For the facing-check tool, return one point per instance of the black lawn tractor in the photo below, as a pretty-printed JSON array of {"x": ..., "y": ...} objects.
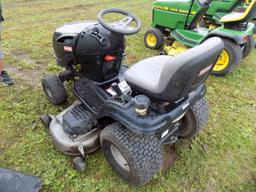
[{"x": 130, "y": 112}]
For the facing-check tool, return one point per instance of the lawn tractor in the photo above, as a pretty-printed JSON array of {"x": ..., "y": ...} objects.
[
  {"x": 130, "y": 112},
  {"x": 176, "y": 28}
]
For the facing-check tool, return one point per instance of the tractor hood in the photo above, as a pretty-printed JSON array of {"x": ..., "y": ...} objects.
[
  {"x": 173, "y": 14},
  {"x": 178, "y": 4},
  {"x": 181, "y": 6}
]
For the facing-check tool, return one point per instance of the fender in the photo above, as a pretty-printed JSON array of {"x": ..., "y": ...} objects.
[{"x": 240, "y": 37}]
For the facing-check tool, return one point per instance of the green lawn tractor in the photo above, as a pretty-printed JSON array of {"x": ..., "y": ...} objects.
[{"x": 176, "y": 28}]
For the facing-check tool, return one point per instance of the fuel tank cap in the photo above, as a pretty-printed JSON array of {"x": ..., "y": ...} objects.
[{"x": 141, "y": 104}]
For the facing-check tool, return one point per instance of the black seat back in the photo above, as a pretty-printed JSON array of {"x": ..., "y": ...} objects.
[{"x": 191, "y": 69}]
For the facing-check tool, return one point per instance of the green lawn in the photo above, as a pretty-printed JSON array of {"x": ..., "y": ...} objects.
[{"x": 221, "y": 158}]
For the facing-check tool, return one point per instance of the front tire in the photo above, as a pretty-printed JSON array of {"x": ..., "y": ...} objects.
[
  {"x": 54, "y": 89},
  {"x": 136, "y": 158},
  {"x": 194, "y": 120},
  {"x": 229, "y": 59},
  {"x": 154, "y": 38}
]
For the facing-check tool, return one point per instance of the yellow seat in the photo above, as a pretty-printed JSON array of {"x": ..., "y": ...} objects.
[{"x": 236, "y": 17}]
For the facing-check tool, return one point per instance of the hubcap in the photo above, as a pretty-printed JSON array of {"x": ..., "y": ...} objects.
[
  {"x": 222, "y": 62},
  {"x": 151, "y": 40},
  {"x": 119, "y": 158}
]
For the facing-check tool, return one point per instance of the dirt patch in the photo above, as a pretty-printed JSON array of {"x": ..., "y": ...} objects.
[
  {"x": 24, "y": 57},
  {"x": 31, "y": 76}
]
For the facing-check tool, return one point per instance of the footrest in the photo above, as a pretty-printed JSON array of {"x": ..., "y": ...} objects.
[
  {"x": 88, "y": 94},
  {"x": 188, "y": 37}
]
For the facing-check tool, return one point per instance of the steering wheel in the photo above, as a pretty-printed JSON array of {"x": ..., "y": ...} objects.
[{"x": 121, "y": 27}]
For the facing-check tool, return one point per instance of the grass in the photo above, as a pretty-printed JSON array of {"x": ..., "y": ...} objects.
[{"x": 221, "y": 158}]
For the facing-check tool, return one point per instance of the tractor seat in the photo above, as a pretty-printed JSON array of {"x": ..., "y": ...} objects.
[
  {"x": 168, "y": 79},
  {"x": 241, "y": 17}
]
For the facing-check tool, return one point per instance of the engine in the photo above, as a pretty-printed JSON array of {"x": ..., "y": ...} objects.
[{"x": 94, "y": 51}]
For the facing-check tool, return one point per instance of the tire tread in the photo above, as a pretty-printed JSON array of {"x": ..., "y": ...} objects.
[
  {"x": 56, "y": 87},
  {"x": 145, "y": 151}
]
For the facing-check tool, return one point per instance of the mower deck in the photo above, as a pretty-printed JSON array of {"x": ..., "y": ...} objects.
[{"x": 72, "y": 145}]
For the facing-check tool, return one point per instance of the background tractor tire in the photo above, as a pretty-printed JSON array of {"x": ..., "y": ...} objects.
[
  {"x": 136, "y": 158},
  {"x": 194, "y": 120},
  {"x": 229, "y": 59},
  {"x": 154, "y": 38},
  {"x": 254, "y": 31},
  {"x": 248, "y": 47},
  {"x": 54, "y": 89}
]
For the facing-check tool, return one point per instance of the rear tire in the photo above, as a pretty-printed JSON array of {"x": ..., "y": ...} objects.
[
  {"x": 54, "y": 89},
  {"x": 135, "y": 158},
  {"x": 229, "y": 59},
  {"x": 194, "y": 120},
  {"x": 154, "y": 38},
  {"x": 248, "y": 47},
  {"x": 254, "y": 31}
]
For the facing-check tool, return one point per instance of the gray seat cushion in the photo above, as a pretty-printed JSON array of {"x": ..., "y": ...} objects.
[
  {"x": 147, "y": 73},
  {"x": 154, "y": 75}
]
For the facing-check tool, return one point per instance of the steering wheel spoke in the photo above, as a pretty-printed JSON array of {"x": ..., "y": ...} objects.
[
  {"x": 128, "y": 27},
  {"x": 118, "y": 24},
  {"x": 127, "y": 20}
]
